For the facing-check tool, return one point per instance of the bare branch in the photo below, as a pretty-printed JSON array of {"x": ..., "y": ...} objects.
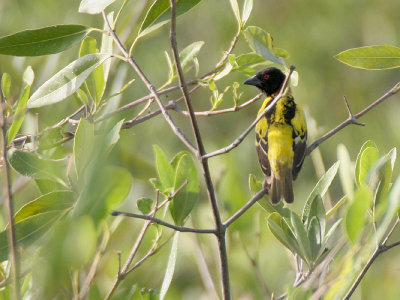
[
  {"x": 222, "y": 111},
  {"x": 352, "y": 119},
  {"x": 238, "y": 140},
  {"x": 12, "y": 242},
  {"x": 161, "y": 222},
  {"x": 382, "y": 247},
  {"x": 178, "y": 132},
  {"x": 244, "y": 208},
  {"x": 220, "y": 229}
]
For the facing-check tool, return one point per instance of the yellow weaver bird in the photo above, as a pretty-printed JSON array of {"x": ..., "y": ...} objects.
[{"x": 280, "y": 136}]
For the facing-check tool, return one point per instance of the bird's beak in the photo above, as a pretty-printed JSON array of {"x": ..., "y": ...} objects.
[{"x": 253, "y": 81}]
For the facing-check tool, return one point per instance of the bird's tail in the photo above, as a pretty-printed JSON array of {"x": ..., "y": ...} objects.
[{"x": 281, "y": 186}]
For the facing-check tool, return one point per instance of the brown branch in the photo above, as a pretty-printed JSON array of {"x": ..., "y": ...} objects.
[
  {"x": 222, "y": 111},
  {"x": 238, "y": 140},
  {"x": 12, "y": 242},
  {"x": 381, "y": 248},
  {"x": 161, "y": 222},
  {"x": 178, "y": 132},
  {"x": 352, "y": 119},
  {"x": 220, "y": 229},
  {"x": 244, "y": 208}
]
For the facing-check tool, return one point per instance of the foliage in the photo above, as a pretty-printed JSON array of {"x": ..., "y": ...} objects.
[{"x": 85, "y": 157}]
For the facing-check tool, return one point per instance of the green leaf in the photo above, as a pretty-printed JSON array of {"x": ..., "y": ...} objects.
[
  {"x": 345, "y": 170},
  {"x": 320, "y": 188},
  {"x": 104, "y": 189},
  {"x": 380, "y": 174},
  {"x": 283, "y": 233},
  {"x": 371, "y": 57},
  {"x": 367, "y": 159},
  {"x": 355, "y": 215},
  {"x": 54, "y": 201},
  {"x": 330, "y": 232},
  {"x": 189, "y": 53},
  {"x": 149, "y": 294},
  {"x": 67, "y": 81},
  {"x": 144, "y": 205},
  {"x": 315, "y": 238},
  {"x": 281, "y": 53},
  {"x": 28, "y": 75},
  {"x": 6, "y": 85},
  {"x": 317, "y": 210},
  {"x": 94, "y": 6},
  {"x": 367, "y": 144},
  {"x": 260, "y": 41},
  {"x": 183, "y": 202},
  {"x": 236, "y": 11},
  {"x": 95, "y": 81},
  {"x": 301, "y": 235},
  {"x": 159, "y": 14},
  {"x": 112, "y": 136},
  {"x": 31, "y": 165},
  {"x": 19, "y": 115},
  {"x": 84, "y": 145},
  {"x": 169, "y": 273},
  {"x": 43, "y": 41},
  {"x": 249, "y": 59},
  {"x": 28, "y": 231},
  {"x": 392, "y": 209},
  {"x": 247, "y": 8},
  {"x": 164, "y": 169}
]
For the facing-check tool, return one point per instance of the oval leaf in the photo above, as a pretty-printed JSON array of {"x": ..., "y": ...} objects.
[
  {"x": 189, "y": 53},
  {"x": 54, "y": 201},
  {"x": 95, "y": 82},
  {"x": 169, "y": 273},
  {"x": 261, "y": 42},
  {"x": 320, "y": 188},
  {"x": 94, "y": 6},
  {"x": 31, "y": 165},
  {"x": 43, "y": 41},
  {"x": 355, "y": 216},
  {"x": 160, "y": 14},
  {"x": 184, "y": 201},
  {"x": 67, "y": 81},
  {"x": 371, "y": 57},
  {"x": 27, "y": 231}
]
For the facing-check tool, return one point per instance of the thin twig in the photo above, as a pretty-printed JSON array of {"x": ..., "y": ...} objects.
[
  {"x": 222, "y": 111},
  {"x": 170, "y": 105},
  {"x": 220, "y": 229},
  {"x": 161, "y": 222},
  {"x": 352, "y": 119},
  {"x": 12, "y": 243},
  {"x": 382, "y": 247},
  {"x": 244, "y": 208},
  {"x": 95, "y": 263},
  {"x": 150, "y": 86},
  {"x": 238, "y": 140}
]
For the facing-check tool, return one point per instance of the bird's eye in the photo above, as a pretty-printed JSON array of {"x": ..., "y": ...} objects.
[{"x": 266, "y": 76}]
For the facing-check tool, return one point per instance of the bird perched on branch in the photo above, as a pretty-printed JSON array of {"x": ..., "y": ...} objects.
[{"x": 280, "y": 136}]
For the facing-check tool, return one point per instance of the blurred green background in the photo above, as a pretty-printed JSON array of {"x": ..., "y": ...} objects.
[{"x": 312, "y": 32}]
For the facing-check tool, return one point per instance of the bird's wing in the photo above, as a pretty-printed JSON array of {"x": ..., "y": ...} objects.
[{"x": 299, "y": 140}]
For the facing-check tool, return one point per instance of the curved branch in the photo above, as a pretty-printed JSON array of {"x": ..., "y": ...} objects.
[
  {"x": 352, "y": 119},
  {"x": 178, "y": 132},
  {"x": 382, "y": 247},
  {"x": 161, "y": 222}
]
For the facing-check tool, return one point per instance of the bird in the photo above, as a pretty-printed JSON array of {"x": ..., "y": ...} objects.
[{"x": 281, "y": 136}]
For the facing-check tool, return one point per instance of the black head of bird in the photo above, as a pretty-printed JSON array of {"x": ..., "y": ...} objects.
[{"x": 268, "y": 80}]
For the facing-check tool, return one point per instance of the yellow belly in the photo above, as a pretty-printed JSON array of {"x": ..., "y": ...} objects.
[{"x": 280, "y": 151}]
